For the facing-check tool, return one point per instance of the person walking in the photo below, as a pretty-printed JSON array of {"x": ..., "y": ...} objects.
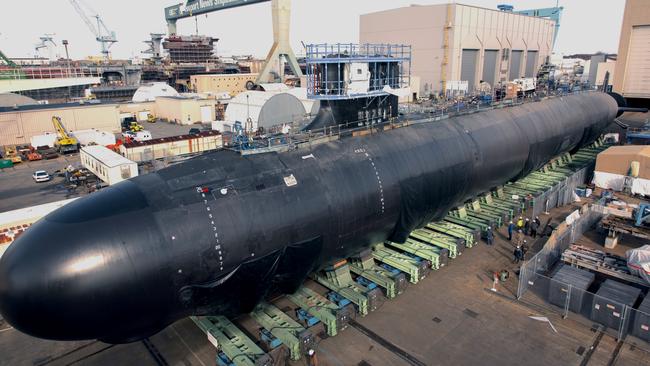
[
  {"x": 517, "y": 254},
  {"x": 534, "y": 226},
  {"x": 524, "y": 249},
  {"x": 511, "y": 228},
  {"x": 519, "y": 238},
  {"x": 489, "y": 236},
  {"x": 527, "y": 226},
  {"x": 520, "y": 223}
]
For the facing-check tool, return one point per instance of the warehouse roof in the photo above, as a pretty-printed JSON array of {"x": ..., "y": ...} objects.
[
  {"x": 11, "y": 99},
  {"x": 106, "y": 156},
  {"x": 32, "y": 107}
]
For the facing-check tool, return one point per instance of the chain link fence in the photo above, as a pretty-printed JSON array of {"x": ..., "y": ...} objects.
[{"x": 536, "y": 286}]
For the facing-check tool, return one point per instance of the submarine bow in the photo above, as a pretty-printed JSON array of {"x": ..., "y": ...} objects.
[{"x": 215, "y": 234}]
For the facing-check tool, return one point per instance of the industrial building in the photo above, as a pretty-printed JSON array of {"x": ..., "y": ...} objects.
[
  {"x": 632, "y": 76},
  {"x": 19, "y": 125},
  {"x": 179, "y": 110},
  {"x": 168, "y": 147},
  {"x": 185, "y": 111},
  {"x": 233, "y": 84},
  {"x": 455, "y": 42},
  {"x": 107, "y": 165}
]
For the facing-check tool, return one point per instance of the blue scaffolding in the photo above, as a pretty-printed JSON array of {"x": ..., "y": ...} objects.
[{"x": 327, "y": 65}]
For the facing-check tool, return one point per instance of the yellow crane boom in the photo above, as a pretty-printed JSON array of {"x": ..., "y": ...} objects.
[{"x": 64, "y": 141}]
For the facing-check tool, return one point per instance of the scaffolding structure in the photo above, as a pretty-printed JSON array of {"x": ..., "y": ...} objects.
[
  {"x": 332, "y": 69},
  {"x": 190, "y": 49}
]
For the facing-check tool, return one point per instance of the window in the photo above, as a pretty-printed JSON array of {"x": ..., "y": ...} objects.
[
  {"x": 126, "y": 171},
  {"x": 359, "y": 71}
]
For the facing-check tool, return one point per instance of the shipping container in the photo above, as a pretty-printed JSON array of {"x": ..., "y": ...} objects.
[{"x": 107, "y": 165}]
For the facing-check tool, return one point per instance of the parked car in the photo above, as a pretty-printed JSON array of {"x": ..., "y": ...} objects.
[
  {"x": 41, "y": 176},
  {"x": 194, "y": 131}
]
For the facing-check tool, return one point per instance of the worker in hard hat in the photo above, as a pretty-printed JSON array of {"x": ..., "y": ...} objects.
[{"x": 489, "y": 235}]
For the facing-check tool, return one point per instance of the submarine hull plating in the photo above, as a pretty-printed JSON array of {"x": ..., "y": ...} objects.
[{"x": 215, "y": 234}]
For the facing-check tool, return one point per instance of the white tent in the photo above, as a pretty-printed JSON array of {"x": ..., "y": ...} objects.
[
  {"x": 149, "y": 92},
  {"x": 265, "y": 109}
]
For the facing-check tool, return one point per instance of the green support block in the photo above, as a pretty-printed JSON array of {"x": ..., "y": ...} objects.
[
  {"x": 230, "y": 340},
  {"x": 416, "y": 270},
  {"x": 339, "y": 280},
  {"x": 471, "y": 236},
  {"x": 327, "y": 312},
  {"x": 437, "y": 256},
  {"x": 293, "y": 335},
  {"x": 364, "y": 265},
  {"x": 475, "y": 208},
  {"x": 453, "y": 245}
]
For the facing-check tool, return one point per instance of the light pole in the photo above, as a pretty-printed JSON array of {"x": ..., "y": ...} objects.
[{"x": 67, "y": 56}]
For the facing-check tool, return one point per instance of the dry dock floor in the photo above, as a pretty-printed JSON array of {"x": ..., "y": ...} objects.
[{"x": 449, "y": 318}]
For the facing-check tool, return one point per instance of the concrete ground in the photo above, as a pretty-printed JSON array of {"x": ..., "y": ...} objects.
[
  {"x": 18, "y": 189},
  {"x": 449, "y": 318}
]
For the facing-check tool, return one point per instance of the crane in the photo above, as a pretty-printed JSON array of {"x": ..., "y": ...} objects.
[
  {"x": 64, "y": 141},
  {"x": 47, "y": 41},
  {"x": 105, "y": 37}
]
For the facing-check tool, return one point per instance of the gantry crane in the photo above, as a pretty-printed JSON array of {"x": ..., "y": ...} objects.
[{"x": 105, "y": 37}]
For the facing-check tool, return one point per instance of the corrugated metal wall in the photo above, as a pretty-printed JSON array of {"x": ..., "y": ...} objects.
[
  {"x": 515, "y": 64},
  {"x": 531, "y": 62},
  {"x": 468, "y": 68},
  {"x": 490, "y": 66},
  {"x": 19, "y": 127}
]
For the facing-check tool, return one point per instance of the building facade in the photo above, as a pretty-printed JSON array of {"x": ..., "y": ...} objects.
[
  {"x": 455, "y": 42},
  {"x": 232, "y": 84},
  {"x": 19, "y": 125},
  {"x": 632, "y": 76}
]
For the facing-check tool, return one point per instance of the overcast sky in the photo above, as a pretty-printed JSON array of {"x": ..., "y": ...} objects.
[{"x": 587, "y": 26}]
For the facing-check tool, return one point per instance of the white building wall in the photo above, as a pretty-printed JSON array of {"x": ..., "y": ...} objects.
[{"x": 471, "y": 28}]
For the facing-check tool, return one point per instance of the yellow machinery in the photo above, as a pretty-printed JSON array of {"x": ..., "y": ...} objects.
[
  {"x": 151, "y": 118},
  {"x": 11, "y": 154},
  {"x": 64, "y": 142}
]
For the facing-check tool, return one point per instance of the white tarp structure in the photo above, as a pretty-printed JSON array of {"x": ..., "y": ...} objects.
[
  {"x": 94, "y": 137},
  {"x": 400, "y": 92},
  {"x": 638, "y": 262},
  {"x": 620, "y": 164},
  {"x": 265, "y": 109},
  {"x": 149, "y": 92},
  {"x": 46, "y": 139}
]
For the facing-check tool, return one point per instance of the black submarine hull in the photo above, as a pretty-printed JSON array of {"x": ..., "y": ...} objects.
[{"x": 217, "y": 233}]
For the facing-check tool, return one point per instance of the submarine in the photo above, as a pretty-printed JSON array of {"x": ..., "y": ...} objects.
[{"x": 219, "y": 232}]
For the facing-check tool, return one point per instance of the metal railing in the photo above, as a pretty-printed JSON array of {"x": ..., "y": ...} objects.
[
  {"x": 45, "y": 73},
  {"x": 344, "y": 52},
  {"x": 378, "y": 124}
]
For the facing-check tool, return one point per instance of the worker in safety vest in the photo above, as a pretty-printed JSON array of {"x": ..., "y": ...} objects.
[{"x": 520, "y": 223}]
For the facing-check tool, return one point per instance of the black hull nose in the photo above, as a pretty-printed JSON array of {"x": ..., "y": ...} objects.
[{"x": 76, "y": 273}]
